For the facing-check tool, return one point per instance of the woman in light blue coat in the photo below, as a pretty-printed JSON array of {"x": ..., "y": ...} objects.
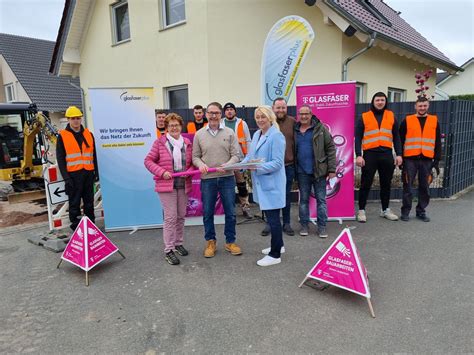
[{"x": 269, "y": 179}]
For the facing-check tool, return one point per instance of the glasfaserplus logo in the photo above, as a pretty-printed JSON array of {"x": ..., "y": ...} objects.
[
  {"x": 282, "y": 75},
  {"x": 132, "y": 97}
]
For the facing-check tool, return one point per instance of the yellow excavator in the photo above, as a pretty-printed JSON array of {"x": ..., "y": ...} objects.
[{"x": 25, "y": 137}]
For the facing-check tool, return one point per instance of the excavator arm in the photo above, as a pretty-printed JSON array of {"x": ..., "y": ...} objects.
[{"x": 37, "y": 123}]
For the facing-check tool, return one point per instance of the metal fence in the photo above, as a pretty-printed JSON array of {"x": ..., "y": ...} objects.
[
  {"x": 456, "y": 122},
  {"x": 460, "y": 147}
]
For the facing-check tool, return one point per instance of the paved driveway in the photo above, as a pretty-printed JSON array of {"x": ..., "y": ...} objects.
[{"x": 421, "y": 278}]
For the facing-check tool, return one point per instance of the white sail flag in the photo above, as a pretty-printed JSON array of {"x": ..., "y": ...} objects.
[{"x": 283, "y": 55}]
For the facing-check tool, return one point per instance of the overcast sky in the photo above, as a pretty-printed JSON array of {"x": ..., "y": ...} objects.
[{"x": 448, "y": 24}]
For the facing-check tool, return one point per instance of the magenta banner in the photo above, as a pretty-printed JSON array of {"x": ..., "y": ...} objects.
[
  {"x": 194, "y": 207},
  {"x": 334, "y": 105}
]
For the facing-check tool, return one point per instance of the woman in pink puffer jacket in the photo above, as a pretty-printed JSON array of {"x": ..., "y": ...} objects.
[{"x": 172, "y": 153}]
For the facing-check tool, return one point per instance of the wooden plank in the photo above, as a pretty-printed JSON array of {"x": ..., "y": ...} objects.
[{"x": 18, "y": 197}]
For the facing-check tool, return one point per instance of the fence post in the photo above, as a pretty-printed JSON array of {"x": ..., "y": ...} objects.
[{"x": 448, "y": 151}]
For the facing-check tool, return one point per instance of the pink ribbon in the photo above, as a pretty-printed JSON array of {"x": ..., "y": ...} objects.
[{"x": 192, "y": 172}]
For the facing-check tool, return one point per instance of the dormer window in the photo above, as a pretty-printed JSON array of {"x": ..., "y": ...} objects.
[{"x": 367, "y": 4}]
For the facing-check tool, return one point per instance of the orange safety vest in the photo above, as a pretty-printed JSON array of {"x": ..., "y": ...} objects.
[
  {"x": 417, "y": 142},
  {"x": 191, "y": 127},
  {"x": 241, "y": 137},
  {"x": 78, "y": 158},
  {"x": 159, "y": 134},
  {"x": 374, "y": 136}
]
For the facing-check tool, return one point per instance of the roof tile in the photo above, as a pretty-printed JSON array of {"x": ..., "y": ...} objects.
[{"x": 400, "y": 30}]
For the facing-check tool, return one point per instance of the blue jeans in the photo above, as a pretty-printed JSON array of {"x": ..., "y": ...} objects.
[
  {"x": 225, "y": 186},
  {"x": 273, "y": 220},
  {"x": 305, "y": 183}
]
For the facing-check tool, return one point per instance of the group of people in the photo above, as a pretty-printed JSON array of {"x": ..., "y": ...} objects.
[
  {"x": 288, "y": 149},
  {"x": 301, "y": 150},
  {"x": 417, "y": 145}
]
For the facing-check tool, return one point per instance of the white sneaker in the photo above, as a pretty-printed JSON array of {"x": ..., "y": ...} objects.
[
  {"x": 389, "y": 215},
  {"x": 266, "y": 251},
  {"x": 361, "y": 216},
  {"x": 268, "y": 260}
]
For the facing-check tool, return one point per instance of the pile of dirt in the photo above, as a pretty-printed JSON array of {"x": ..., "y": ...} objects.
[{"x": 22, "y": 213}]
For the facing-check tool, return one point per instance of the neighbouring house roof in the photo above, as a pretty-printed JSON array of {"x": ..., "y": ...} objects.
[
  {"x": 441, "y": 76},
  {"x": 29, "y": 59},
  {"x": 376, "y": 16},
  {"x": 441, "y": 79}
]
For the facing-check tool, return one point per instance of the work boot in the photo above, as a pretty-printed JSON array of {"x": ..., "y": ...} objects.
[
  {"x": 423, "y": 217},
  {"x": 210, "y": 250},
  {"x": 266, "y": 231},
  {"x": 171, "y": 258},
  {"x": 233, "y": 248},
  {"x": 404, "y": 218},
  {"x": 288, "y": 230},
  {"x": 388, "y": 215},
  {"x": 361, "y": 216}
]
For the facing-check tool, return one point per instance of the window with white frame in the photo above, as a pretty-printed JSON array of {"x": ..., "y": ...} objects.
[
  {"x": 177, "y": 97},
  {"x": 10, "y": 92},
  {"x": 172, "y": 12},
  {"x": 360, "y": 93},
  {"x": 396, "y": 95},
  {"x": 120, "y": 22}
]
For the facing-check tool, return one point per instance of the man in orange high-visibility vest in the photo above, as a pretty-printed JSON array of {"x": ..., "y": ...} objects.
[
  {"x": 376, "y": 137},
  {"x": 160, "y": 122},
  {"x": 421, "y": 141},
  {"x": 239, "y": 126},
  {"x": 77, "y": 161},
  {"x": 199, "y": 120}
]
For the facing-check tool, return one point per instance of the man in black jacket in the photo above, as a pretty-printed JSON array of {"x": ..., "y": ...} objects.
[
  {"x": 421, "y": 140},
  {"x": 77, "y": 162},
  {"x": 377, "y": 135}
]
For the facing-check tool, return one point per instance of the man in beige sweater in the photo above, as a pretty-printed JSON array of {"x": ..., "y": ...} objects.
[{"x": 214, "y": 147}]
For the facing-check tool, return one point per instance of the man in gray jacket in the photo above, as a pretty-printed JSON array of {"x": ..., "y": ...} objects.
[
  {"x": 215, "y": 146},
  {"x": 315, "y": 163}
]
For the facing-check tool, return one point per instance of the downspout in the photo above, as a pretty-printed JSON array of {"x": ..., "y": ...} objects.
[
  {"x": 370, "y": 44},
  {"x": 84, "y": 111}
]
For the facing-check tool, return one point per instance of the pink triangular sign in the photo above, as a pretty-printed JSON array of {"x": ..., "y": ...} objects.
[
  {"x": 341, "y": 266},
  {"x": 99, "y": 247},
  {"x": 75, "y": 251}
]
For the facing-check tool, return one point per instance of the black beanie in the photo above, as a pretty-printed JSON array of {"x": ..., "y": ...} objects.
[{"x": 229, "y": 105}]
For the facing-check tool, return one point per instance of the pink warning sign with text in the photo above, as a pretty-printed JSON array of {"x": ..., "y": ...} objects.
[
  {"x": 88, "y": 246},
  {"x": 341, "y": 266},
  {"x": 99, "y": 246},
  {"x": 74, "y": 252}
]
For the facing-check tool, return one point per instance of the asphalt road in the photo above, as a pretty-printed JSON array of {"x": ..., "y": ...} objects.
[{"x": 421, "y": 280}]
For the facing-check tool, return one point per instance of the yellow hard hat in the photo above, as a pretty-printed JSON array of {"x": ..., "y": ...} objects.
[{"x": 73, "y": 111}]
